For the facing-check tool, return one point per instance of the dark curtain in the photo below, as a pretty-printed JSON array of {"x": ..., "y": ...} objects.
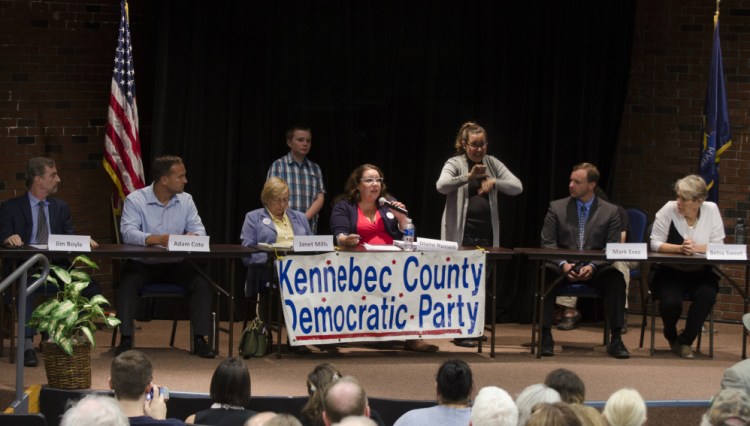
[{"x": 389, "y": 83}]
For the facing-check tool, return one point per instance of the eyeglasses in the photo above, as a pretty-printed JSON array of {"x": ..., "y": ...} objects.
[
  {"x": 477, "y": 145},
  {"x": 370, "y": 181}
]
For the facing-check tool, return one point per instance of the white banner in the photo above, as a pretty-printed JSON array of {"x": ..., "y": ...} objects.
[{"x": 352, "y": 297}]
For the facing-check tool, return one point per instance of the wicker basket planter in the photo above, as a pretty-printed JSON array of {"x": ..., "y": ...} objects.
[{"x": 65, "y": 371}]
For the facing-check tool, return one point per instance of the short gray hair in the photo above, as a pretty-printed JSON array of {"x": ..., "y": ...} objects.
[
  {"x": 37, "y": 166},
  {"x": 95, "y": 410},
  {"x": 691, "y": 187},
  {"x": 625, "y": 407},
  {"x": 493, "y": 406}
]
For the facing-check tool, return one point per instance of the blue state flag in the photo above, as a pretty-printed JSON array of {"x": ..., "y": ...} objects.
[{"x": 717, "y": 135}]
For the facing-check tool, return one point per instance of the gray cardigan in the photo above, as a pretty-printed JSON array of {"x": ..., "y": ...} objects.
[{"x": 453, "y": 183}]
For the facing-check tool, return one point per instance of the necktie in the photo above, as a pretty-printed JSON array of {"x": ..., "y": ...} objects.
[
  {"x": 42, "y": 233},
  {"x": 582, "y": 216}
]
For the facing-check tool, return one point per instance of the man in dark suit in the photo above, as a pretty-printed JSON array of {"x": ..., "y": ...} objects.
[
  {"x": 585, "y": 222},
  {"x": 30, "y": 218}
]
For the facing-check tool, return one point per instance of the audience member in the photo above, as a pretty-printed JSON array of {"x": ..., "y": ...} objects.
[
  {"x": 625, "y": 408},
  {"x": 260, "y": 419},
  {"x": 317, "y": 382},
  {"x": 530, "y": 397},
  {"x": 493, "y": 407},
  {"x": 30, "y": 218},
  {"x": 729, "y": 407},
  {"x": 583, "y": 221},
  {"x": 567, "y": 384},
  {"x": 557, "y": 414},
  {"x": 344, "y": 398},
  {"x": 230, "y": 392},
  {"x": 589, "y": 416},
  {"x": 150, "y": 215},
  {"x": 304, "y": 177},
  {"x": 738, "y": 375},
  {"x": 357, "y": 421},
  {"x": 131, "y": 376},
  {"x": 282, "y": 419},
  {"x": 95, "y": 410},
  {"x": 454, "y": 387}
]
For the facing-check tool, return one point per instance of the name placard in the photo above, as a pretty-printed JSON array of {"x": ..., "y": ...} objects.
[
  {"x": 726, "y": 252},
  {"x": 313, "y": 243},
  {"x": 428, "y": 244},
  {"x": 188, "y": 243},
  {"x": 629, "y": 251},
  {"x": 57, "y": 242}
]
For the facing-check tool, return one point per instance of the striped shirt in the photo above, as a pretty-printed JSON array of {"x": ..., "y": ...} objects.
[{"x": 305, "y": 181}]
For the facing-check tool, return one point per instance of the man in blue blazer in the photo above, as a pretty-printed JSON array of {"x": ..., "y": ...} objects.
[
  {"x": 30, "y": 218},
  {"x": 585, "y": 222}
]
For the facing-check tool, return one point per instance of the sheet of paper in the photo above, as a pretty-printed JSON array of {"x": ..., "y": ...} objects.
[{"x": 377, "y": 247}]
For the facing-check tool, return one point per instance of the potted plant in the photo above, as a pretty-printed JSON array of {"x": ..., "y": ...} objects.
[{"x": 69, "y": 319}]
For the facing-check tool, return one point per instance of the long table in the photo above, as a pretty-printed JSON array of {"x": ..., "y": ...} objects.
[
  {"x": 229, "y": 252},
  {"x": 542, "y": 255}
]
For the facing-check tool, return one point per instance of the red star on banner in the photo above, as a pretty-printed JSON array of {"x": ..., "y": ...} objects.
[
  {"x": 401, "y": 295},
  {"x": 364, "y": 297},
  {"x": 411, "y": 316},
  {"x": 328, "y": 262},
  {"x": 450, "y": 296},
  {"x": 324, "y": 300},
  {"x": 447, "y": 259},
  {"x": 393, "y": 261}
]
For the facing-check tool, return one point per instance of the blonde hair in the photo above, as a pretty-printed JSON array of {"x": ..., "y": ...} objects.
[
  {"x": 273, "y": 188},
  {"x": 625, "y": 408},
  {"x": 468, "y": 128},
  {"x": 691, "y": 187}
]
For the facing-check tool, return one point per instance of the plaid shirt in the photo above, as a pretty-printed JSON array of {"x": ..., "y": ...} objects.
[{"x": 305, "y": 182}]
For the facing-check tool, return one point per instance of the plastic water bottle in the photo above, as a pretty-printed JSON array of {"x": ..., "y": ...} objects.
[
  {"x": 740, "y": 236},
  {"x": 409, "y": 236}
]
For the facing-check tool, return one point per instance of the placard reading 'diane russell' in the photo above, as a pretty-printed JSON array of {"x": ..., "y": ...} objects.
[
  {"x": 57, "y": 242},
  {"x": 317, "y": 243},
  {"x": 629, "y": 251},
  {"x": 188, "y": 243},
  {"x": 726, "y": 252}
]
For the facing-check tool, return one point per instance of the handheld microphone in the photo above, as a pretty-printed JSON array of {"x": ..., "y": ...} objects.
[{"x": 390, "y": 205}]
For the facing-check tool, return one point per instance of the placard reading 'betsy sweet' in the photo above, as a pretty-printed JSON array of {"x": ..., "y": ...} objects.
[{"x": 350, "y": 297}]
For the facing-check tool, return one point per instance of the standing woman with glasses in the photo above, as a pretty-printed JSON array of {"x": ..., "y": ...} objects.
[
  {"x": 471, "y": 180},
  {"x": 357, "y": 218}
]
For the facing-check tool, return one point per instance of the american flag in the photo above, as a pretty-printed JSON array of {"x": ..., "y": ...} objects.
[{"x": 122, "y": 146}]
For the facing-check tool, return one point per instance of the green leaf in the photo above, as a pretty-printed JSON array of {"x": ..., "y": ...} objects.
[
  {"x": 89, "y": 335},
  {"x": 98, "y": 300},
  {"x": 78, "y": 275},
  {"x": 65, "y": 344},
  {"x": 85, "y": 260},
  {"x": 112, "y": 322},
  {"x": 61, "y": 273},
  {"x": 78, "y": 286},
  {"x": 63, "y": 310}
]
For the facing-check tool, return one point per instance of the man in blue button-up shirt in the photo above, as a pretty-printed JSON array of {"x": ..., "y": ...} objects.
[{"x": 150, "y": 215}]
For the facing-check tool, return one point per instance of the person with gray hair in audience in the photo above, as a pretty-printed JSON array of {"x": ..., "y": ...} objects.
[
  {"x": 95, "y": 410},
  {"x": 454, "y": 387},
  {"x": 729, "y": 407},
  {"x": 625, "y": 408},
  {"x": 493, "y": 407},
  {"x": 531, "y": 396},
  {"x": 344, "y": 398}
]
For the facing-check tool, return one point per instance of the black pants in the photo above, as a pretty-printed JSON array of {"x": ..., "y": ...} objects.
[
  {"x": 607, "y": 279},
  {"x": 671, "y": 286},
  {"x": 135, "y": 274}
]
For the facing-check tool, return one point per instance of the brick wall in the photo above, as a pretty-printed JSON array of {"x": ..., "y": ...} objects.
[
  {"x": 661, "y": 132},
  {"x": 56, "y": 60}
]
